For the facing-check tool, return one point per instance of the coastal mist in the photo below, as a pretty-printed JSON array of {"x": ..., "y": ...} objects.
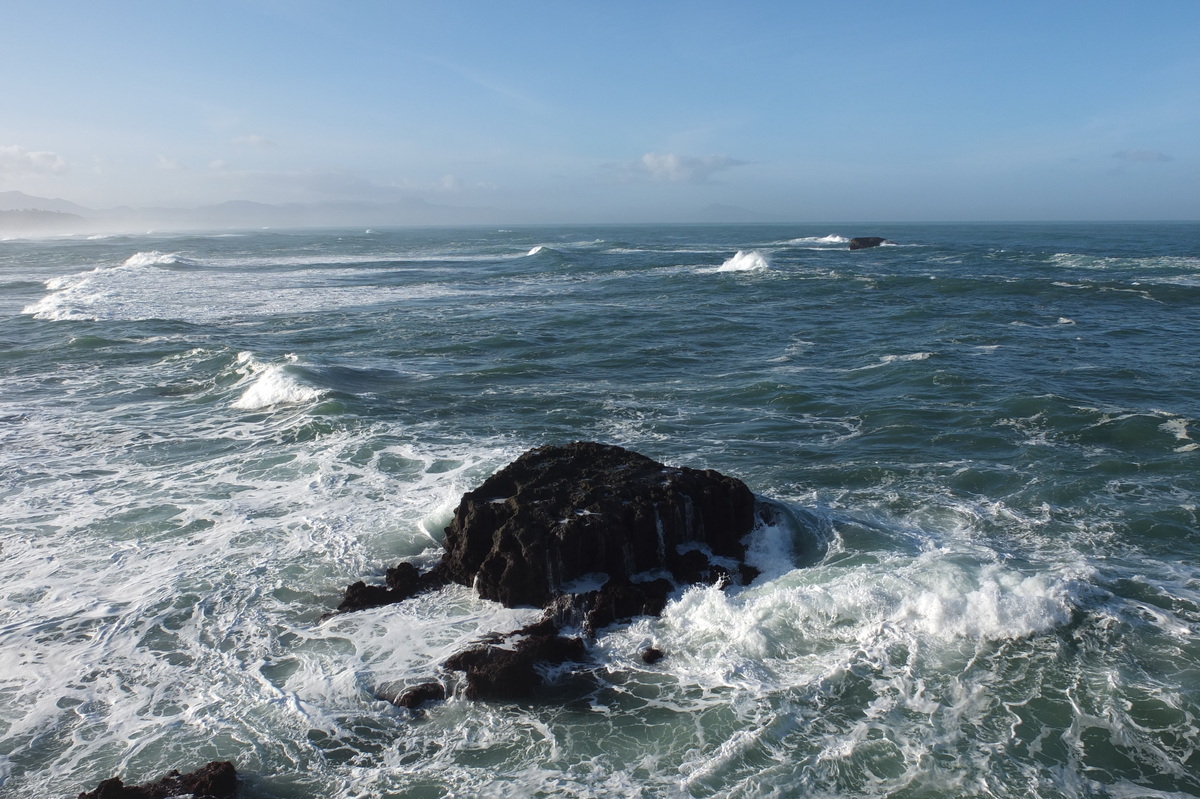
[{"x": 981, "y": 444}]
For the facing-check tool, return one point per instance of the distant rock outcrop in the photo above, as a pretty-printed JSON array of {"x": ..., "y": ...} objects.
[
  {"x": 216, "y": 780},
  {"x": 560, "y": 517},
  {"x": 865, "y": 242}
]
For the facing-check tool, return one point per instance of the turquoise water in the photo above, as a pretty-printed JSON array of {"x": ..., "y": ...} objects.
[{"x": 987, "y": 438}]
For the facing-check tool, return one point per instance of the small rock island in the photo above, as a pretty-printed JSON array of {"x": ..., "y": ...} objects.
[
  {"x": 866, "y": 242},
  {"x": 593, "y": 534}
]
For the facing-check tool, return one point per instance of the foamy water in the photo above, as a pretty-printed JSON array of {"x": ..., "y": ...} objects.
[{"x": 978, "y": 580}]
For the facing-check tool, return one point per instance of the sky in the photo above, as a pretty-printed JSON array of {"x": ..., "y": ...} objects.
[{"x": 612, "y": 112}]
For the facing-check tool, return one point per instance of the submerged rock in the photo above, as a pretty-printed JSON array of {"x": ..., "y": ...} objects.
[
  {"x": 865, "y": 242},
  {"x": 216, "y": 780},
  {"x": 418, "y": 695},
  {"x": 651, "y": 655},
  {"x": 559, "y": 517}
]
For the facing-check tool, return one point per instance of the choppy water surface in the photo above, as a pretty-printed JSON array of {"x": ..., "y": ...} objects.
[{"x": 986, "y": 437}]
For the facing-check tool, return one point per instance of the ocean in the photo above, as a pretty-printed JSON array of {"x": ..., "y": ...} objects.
[{"x": 986, "y": 438}]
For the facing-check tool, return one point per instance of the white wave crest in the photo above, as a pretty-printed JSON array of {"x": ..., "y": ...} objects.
[
  {"x": 746, "y": 261},
  {"x": 156, "y": 258},
  {"x": 271, "y": 385},
  {"x": 537, "y": 249},
  {"x": 915, "y": 356},
  {"x": 107, "y": 291},
  {"x": 887, "y": 360},
  {"x": 1178, "y": 427},
  {"x": 832, "y": 238},
  {"x": 71, "y": 297}
]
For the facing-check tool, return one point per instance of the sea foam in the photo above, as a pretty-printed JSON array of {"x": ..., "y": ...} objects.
[
  {"x": 106, "y": 291},
  {"x": 818, "y": 620}
]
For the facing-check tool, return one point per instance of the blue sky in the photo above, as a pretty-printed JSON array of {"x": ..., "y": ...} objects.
[{"x": 570, "y": 111}]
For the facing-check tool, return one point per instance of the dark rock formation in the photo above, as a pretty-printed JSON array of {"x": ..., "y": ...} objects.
[
  {"x": 495, "y": 672},
  {"x": 216, "y": 780},
  {"x": 621, "y": 601},
  {"x": 570, "y": 513},
  {"x": 864, "y": 242},
  {"x": 557, "y": 514},
  {"x": 403, "y": 580}
]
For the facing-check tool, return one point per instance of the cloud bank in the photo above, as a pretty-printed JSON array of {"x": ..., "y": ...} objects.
[
  {"x": 16, "y": 160},
  {"x": 673, "y": 168}
]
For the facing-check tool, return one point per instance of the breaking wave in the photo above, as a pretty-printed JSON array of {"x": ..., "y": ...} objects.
[
  {"x": 269, "y": 385},
  {"x": 746, "y": 261},
  {"x": 156, "y": 258},
  {"x": 830, "y": 239}
]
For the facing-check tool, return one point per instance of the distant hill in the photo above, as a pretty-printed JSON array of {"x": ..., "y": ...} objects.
[
  {"x": 33, "y": 221},
  {"x": 20, "y": 201}
]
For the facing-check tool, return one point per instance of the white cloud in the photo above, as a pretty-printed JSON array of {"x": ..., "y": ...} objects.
[
  {"x": 1141, "y": 155},
  {"x": 674, "y": 168},
  {"x": 16, "y": 160},
  {"x": 170, "y": 164}
]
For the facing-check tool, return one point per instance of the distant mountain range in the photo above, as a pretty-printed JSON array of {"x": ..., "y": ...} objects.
[{"x": 21, "y": 213}]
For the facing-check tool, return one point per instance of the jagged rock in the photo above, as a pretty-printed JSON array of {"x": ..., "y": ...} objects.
[
  {"x": 621, "y": 601},
  {"x": 865, "y": 242},
  {"x": 557, "y": 514},
  {"x": 403, "y": 581},
  {"x": 495, "y": 672},
  {"x": 216, "y": 780}
]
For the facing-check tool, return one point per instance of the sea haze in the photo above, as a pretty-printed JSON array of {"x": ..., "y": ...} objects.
[{"x": 985, "y": 438}]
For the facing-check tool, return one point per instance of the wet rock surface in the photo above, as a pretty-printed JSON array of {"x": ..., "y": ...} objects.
[
  {"x": 866, "y": 242},
  {"x": 216, "y": 780},
  {"x": 557, "y": 514},
  {"x": 499, "y": 672},
  {"x": 402, "y": 581},
  {"x": 561, "y": 516}
]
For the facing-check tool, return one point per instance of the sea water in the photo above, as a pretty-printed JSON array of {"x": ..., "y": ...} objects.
[{"x": 981, "y": 447}]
